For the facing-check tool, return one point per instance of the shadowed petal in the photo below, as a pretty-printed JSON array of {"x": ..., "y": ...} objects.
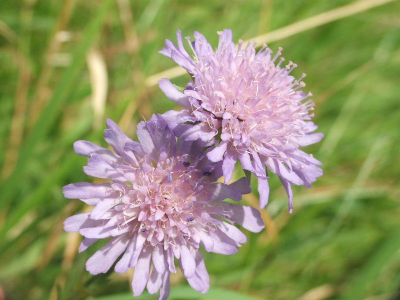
[
  {"x": 173, "y": 94},
  {"x": 188, "y": 263},
  {"x": 103, "y": 259},
  {"x": 142, "y": 271},
  {"x": 246, "y": 216}
]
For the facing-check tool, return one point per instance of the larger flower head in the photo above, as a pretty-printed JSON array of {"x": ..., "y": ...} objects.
[
  {"x": 161, "y": 203},
  {"x": 251, "y": 104}
]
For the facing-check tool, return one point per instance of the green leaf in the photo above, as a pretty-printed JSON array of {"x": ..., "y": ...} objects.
[
  {"x": 38, "y": 196},
  {"x": 373, "y": 267},
  {"x": 187, "y": 293},
  {"x": 248, "y": 175},
  {"x": 179, "y": 88},
  {"x": 49, "y": 115}
]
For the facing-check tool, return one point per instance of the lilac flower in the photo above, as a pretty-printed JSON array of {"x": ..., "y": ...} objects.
[
  {"x": 161, "y": 203},
  {"x": 251, "y": 104}
]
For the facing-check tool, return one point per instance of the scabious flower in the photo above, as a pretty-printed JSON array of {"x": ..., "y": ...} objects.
[
  {"x": 161, "y": 203},
  {"x": 251, "y": 104}
]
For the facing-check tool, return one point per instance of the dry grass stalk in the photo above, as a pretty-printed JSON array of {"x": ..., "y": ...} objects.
[
  {"x": 99, "y": 82},
  {"x": 43, "y": 92}
]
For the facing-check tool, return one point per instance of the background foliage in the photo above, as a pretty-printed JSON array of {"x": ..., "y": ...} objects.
[{"x": 67, "y": 65}]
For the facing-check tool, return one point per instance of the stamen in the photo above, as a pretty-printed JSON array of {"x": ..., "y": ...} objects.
[{"x": 195, "y": 186}]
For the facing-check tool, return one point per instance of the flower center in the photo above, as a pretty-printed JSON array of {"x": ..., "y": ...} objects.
[{"x": 165, "y": 202}]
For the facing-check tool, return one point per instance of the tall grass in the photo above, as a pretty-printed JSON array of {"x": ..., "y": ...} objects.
[{"x": 343, "y": 239}]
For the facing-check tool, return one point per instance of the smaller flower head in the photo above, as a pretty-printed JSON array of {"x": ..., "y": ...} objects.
[
  {"x": 251, "y": 104},
  {"x": 161, "y": 203}
]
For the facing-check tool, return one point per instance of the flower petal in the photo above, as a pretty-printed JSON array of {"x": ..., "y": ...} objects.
[
  {"x": 88, "y": 149},
  {"x": 158, "y": 259},
  {"x": 228, "y": 166},
  {"x": 97, "y": 167},
  {"x": 103, "y": 259},
  {"x": 188, "y": 263},
  {"x": 165, "y": 287},
  {"x": 76, "y": 222},
  {"x": 224, "y": 191},
  {"x": 86, "y": 243},
  {"x": 141, "y": 275},
  {"x": 233, "y": 232},
  {"x": 201, "y": 280},
  {"x": 289, "y": 192},
  {"x": 263, "y": 190},
  {"x": 117, "y": 139},
  {"x": 123, "y": 264},
  {"x": 246, "y": 216},
  {"x": 218, "y": 152},
  {"x": 154, "y": 282},
  {"x": 242, "y": 185},
  {"x": 86, "y": 190},
  {"x": 173, "y": 94}
]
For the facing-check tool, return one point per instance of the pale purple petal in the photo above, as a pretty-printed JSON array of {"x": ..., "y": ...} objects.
[
  {"x": 103, "y": 259},
  {"x": 201, "y": 280},
  {"x": 228, "y": 166},
  {"x": 289, "y": 175},
  {"x": 246, "y": 216},
  {"x": 99, "y": 168},
  {"x": 233, "y": 232},
  {"x": 74, "y": 223},
  {"x": 218, "y": 152},
  {"x": 246, "y": 162},
  {"x": 263, "y": 190},
  {"x": 225, "y": 40},
  {"x": 173, "y": 94},
  {"x": 188, "y": 263},
  {"x": 159, "y": 259},
  {"x": 242, "y": 185},
  {"x": 88, "y": 149},
  {"x": 141, "y": 275},
  {"x": 194, "y": 132},
  {"x": 289, "y": 192},
  {"x": 102, "y": 207},
  {"x": 123, "y": 264},
  {"x": 183, "y": 61},
  {"x": 141, "y": 239},
  {"x": 224, "y": 191},
  {"x": 86, "y": 243},
  {"x": 97, "y": 232},
  {"x": 174, "y": 118},
  {"x": 165, "y": 287},
  {"x": 224, "y": 244},
  {"x": 86, "y": 190},
  {"x": 308, "y": 139},
  {"x": 207, "y": 241},
  {"x": 117, "y": 139},
  {"x": 154, "y": 282}
]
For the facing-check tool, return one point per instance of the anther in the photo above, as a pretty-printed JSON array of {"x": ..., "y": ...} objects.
[
  {"x": 208, "y": 173},
  {"x": 190, "y": 219},
  {"x": 144, "y": 230},
  {"x": 186, "y": 164}
]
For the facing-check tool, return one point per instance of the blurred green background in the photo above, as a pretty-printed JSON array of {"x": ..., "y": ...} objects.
[{"x": 67, "y": 65}]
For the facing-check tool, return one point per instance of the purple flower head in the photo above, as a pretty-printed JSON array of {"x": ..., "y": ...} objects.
[
  {"x": 161, "y": 203},
  {"x": 251, "y": 105}
]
